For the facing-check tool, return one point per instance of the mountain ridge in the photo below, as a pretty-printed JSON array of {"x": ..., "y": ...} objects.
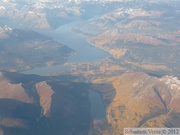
[
  {"x": 142, "y": 101},
  {"x": 23, "y": 49},
  {"x": 44, "y": 107}
]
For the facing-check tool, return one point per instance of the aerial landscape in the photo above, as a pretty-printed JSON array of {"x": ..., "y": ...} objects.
[{"x": 88, "y": 67}]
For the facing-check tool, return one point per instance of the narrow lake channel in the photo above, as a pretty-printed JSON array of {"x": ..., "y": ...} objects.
[{"x": 98, "y": 109}]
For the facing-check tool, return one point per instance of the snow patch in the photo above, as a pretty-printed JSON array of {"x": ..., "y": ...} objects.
[
  {"x": 171, "y": 81},
  {"x": 3, "y": 8}
]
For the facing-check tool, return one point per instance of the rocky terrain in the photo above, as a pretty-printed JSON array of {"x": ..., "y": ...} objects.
[
  {"x": 53, "y": 13},
  {"x": 23, "y": 49},
  {"x": 49, "y": 13},
  {"x": 142, "y": 101}
]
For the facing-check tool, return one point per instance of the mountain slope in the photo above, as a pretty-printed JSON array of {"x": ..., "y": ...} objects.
[
  {"x": 141, "y": 36},
  {"x": 23, "y": 49},
  {"x": 143, "y": 101},
  {"x": 37, "y": 105}
]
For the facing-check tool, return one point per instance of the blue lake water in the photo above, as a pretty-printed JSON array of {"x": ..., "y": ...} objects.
[
  {"x": 98, "y": 109},
  {"x": 85, "y": 52}
]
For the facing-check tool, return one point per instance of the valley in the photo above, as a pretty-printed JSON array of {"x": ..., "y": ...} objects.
[{"x": 88, "y": 67}]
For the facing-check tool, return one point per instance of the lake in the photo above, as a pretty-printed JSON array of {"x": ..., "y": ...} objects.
[
  {"x": 85, "y": 52},
  {"x": 98, "y": 109}
]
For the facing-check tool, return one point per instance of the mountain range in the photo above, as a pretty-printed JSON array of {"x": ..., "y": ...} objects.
[
  {"x": 23, "y": 49},
  {"x": 35, "y": 105},
  {"x": 138, "y": 85},
  {"x": 53, "y": 13},
  {"x": 142, "y": 101}
]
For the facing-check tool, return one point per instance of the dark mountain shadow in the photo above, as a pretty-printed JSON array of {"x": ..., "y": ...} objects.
[{"x": 70, "y": 107}]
